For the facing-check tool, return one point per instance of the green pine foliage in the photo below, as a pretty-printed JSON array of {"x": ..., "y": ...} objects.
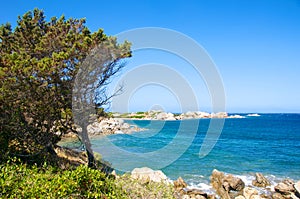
[{"x": 39, "y": 61}]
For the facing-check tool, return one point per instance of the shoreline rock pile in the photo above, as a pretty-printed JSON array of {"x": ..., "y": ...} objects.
[
  {"x": 226, "y": 186},
  {"x": 107, "y": 126}
]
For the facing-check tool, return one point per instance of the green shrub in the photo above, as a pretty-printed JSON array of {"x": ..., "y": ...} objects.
[
  {"x": 22, "y": 181},
  {"x": 137, "y": 189},
  {"x": 138, "y": 116}
]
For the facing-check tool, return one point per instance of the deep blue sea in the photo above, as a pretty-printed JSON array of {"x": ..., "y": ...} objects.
[{"x": 269, "y": 143}]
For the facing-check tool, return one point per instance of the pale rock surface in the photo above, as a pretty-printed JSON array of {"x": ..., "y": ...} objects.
[
  {"x": 240, "y": 197},
  {"x": 260, "y": 180},
  {"x": 277, "y": 196},
  {"x": 297, "y": 188},
  {"x": 284, "y": 188},
  {"x": 223, "y": 184},
  {"x": 147, "y": 173},
  {"x": 249, "y": 192}
]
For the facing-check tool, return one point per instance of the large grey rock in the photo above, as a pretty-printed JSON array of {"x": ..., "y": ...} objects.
[
  {"x": 146, "y": 173},
  {"x": 260, "y": 180}
]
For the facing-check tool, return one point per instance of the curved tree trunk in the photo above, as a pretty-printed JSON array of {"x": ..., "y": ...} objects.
[{"x": 88, "y": 147}]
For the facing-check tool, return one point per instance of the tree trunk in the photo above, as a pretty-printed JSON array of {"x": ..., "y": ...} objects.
[
  {"x": 50, "y": 149},
  {"x": 91, "y": 160},
  {"x": 88, "y": 147}
]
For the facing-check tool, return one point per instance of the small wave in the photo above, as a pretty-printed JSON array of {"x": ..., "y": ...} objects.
[
  {"x": 205, "y": 187},
  {"x": 253, "y": 115}
]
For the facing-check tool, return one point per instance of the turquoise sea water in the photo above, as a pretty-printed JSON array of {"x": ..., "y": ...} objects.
[{"x": 269, "y": 144}]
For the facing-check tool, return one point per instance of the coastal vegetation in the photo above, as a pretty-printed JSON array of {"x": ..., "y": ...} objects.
[
  {"x": 19, "y": 180},
  {"x": 39, "y": 62}
]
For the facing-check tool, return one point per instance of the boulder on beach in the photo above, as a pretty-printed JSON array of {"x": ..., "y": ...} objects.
[
  {"x": 260, "y": 180},
  {"x": 223, "y": 184},
  {"x": 285, "y": 187},
  {"x": 147, "y": 174}
]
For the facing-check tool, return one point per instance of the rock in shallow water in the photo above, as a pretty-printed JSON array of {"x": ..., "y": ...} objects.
[
  {"x": 260, "y": 181},
  {"x": 223, "y": 184},
  {"x": 233, "y": 183}
]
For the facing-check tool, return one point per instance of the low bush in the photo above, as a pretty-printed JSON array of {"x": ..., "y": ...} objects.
[
  {"x": 137, "y": 189},
  {"x": 19, "y": 180},
  {"x": 138, "y": 116}
]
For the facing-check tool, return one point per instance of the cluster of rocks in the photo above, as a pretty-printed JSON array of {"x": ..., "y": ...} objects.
[
  {"x": 226, "y": 186},
  {"x": 182, "y": 191},
  {"x": 107, "y": 126}
]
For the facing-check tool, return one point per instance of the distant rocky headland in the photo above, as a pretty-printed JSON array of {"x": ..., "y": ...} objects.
[
  {"x": 161, "y": 115},
  {"x": 115, "y": 123}
]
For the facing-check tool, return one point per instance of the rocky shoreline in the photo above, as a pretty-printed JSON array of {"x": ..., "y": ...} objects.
[
  {"x": 147, "y": 183},
  {"x": 226, "y": 186},
  {"x": 107, "y": 126}
]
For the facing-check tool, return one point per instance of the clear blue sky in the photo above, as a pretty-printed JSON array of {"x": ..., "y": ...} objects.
[{"x": 255, "y": 44}]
